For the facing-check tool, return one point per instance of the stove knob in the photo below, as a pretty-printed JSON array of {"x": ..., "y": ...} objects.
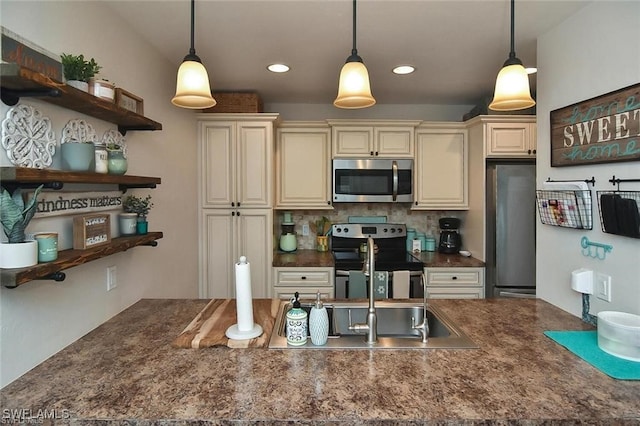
[
  {"x": 346, "y": 229},
  {"x": 385, "y": 230},
  {"x": 393, "y": 230},
  {"x": 338, "y": 230}
]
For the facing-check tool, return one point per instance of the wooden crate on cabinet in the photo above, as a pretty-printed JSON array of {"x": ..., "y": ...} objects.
[
  {"x": 455, "y": 283},
  {"x": 303, "y": 166},
  {"x": 305, "y": 280},
  {"x": 441, "y": 167},
  {"x": 373, "y": 138}
]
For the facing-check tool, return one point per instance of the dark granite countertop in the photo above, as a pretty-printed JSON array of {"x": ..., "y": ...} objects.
[
  {"x": 127, "y": 371},
  {"x": 311, "y": 258}
]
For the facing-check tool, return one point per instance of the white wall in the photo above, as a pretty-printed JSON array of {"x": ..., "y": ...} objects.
[
  {"x": 39, "y": 318},
  {"x": 592, "y": 53}
]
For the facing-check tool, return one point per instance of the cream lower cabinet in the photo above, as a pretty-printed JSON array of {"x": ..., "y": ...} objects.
[
  {"x": 455, "y": 283},
  {"x": 303, "y": 166},
  {"x": 441, "y": 168},
  {"x": 227, "y": 234},
  {"x": 305, "y": 280}
]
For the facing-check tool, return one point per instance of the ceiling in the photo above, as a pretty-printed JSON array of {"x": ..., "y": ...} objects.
[{"x": 457, "y": 46}]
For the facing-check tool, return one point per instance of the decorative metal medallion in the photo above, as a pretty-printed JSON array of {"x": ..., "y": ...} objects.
[
  {"x": 78, "y": 131},
  {"x": 28, "y": 138},
  {"x": 113, "y": 137}
]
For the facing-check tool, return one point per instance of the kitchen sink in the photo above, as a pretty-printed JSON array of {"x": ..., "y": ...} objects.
[{"x": 394, "y": 327}]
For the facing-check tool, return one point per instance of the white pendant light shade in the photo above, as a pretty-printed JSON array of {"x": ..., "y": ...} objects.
[
  {"x": 512, "y": 90},
  {"x": 192, "y": 87},
  {"x": 354, "y": 90}
]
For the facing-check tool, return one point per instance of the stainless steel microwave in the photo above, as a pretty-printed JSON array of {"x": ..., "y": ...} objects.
[{"x": 372, "y": 180}]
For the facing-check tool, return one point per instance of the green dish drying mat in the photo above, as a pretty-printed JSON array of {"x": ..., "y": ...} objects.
[{"x": 585, "y": 345}]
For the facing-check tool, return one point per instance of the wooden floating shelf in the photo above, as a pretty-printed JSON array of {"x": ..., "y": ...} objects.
[
  {"x": 12, "y": 278},
  {"x": 17, "y": 81},
  {"x": 18, "y": 176}
]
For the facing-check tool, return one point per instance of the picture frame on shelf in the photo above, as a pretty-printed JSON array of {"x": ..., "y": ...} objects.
[
  {"x": 91, "y": 231},
  {"x": 129, "y": 101}
]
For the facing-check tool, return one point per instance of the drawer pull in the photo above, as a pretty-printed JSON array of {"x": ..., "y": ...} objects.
[
  {"x": 303, "y": 277},
  {"x": 454, "y": 278}
]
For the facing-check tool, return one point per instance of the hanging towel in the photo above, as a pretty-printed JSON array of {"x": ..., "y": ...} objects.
[
  {"x": 381, "y": 284},
  {"x": 357, "y": 287},
  {"x": 401, "y": 281}
]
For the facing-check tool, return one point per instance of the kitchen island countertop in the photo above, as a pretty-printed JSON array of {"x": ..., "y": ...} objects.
[{"x": 127, "y": 371}]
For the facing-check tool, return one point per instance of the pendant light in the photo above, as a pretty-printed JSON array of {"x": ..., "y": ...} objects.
[
  {"x": 512, "y": 84},
  {"x": 354, "y": 90},
  {"x": 192, "y": 87}
]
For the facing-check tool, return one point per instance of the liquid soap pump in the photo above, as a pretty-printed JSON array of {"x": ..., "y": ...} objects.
[
  {"x": 296, "y": 323},
  {"x": 319, "y": 323}
]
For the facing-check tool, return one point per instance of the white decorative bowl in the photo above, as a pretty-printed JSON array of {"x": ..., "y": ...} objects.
[{"x": 619, "y": 334}]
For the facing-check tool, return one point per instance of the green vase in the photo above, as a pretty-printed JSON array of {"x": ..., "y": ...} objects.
[{"x": 116, "y": 163}]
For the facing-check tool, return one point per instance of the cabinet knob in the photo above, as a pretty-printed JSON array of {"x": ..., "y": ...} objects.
[
  {"x": 329, "y": 202},
  {"x": 371, "y": 153},
  {"x": 233, "y": 204},
  {"x": 528, "y": 151},
  {"x": 238, "y": 203},
  {"x": 376, "y": 153},
  {"x": 454, "y": 278},
  {"x": 233, "y": 213},
  {"x": 237, "y": 213},
  {"x": 534, "y": 151},
  {"x": 303, "y": 277}
]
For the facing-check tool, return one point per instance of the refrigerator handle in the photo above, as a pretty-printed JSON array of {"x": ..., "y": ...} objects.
[{"x": 394, "y": 168}]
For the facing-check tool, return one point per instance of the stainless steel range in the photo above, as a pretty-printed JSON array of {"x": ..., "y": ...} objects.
[{"x": 392, "y": 255}]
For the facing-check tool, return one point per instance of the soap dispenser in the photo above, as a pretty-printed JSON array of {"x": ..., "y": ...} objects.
[
  {"x": 296, "y": 323},
  {"x": 319, "y": 323}
]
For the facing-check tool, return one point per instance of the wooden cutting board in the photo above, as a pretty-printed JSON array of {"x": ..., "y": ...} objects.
[{"x": 208, "y": 328}]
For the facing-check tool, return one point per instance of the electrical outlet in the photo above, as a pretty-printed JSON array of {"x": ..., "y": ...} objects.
[
  {"x": 112, "y": 281},
  {"x": 603, "y": 287},
  {"x": 305, "y": 230}
]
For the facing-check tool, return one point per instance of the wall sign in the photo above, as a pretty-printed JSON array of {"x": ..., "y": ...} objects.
[
  {"x": 91, "y": 231},
  {"x": 604, "y": 129},
  {"x": 58, "y": 203}
]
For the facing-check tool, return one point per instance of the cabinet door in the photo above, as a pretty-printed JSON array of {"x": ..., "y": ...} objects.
[
  {"x": 254, "y": 159},
  {"x": 509, "y": 139},
  {"x": 303, "y": 178},
  {"x": 255, "y": 241},
  {"x": 352, "y": 141},
  {"x": 229, "y": 234},
  {"x": 218, "y": 239},
  {"x": 441, "y": 169},
  {"x": 454, "y": 293},
  {"x": 394, "y": 142},
  {"x": 217, "y": 164}
]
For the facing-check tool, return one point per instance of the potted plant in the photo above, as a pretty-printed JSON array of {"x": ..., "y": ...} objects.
[
  {"x": 140, "y": 206},
  {"x": 78, "y": 71},
  {"x": 15, "y": 215},
  {"x": 116, "y": 159}
]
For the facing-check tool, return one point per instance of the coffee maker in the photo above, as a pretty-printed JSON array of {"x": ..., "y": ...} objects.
[
  {"x": 288, "y": 238},
  {"x": 450, "y": 239}
]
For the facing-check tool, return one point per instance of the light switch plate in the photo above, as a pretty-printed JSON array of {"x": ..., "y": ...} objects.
[
  {"x": 305, "y": 229},
  {"x": 603, "y": 287}
]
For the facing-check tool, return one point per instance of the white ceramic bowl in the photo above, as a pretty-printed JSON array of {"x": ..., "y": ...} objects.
[{"x": 619, "y": 334}]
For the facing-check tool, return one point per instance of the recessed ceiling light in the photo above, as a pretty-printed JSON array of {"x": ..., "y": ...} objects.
[
  {"x": 531, "y": 70},
  {"x": 278, "y": 68},
  {"x": 403, "y": 69}
]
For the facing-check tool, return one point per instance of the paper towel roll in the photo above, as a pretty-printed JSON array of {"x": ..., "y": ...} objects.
[
  {"x": 245, "y": 328},
  {"x": 244, "y": 302}
]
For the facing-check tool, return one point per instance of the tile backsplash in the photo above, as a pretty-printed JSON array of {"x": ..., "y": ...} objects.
[{"x": 422, "y": 221}]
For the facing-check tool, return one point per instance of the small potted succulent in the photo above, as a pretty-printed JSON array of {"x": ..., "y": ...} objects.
[
  {"x": 78, "y": 71},
  {"x": 140, "y": 206},
  {"x": 116, "y": 159},
  {"x": 15, "y": 215}
]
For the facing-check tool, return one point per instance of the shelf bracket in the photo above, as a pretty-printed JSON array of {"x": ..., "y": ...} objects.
[
  {"x": 55, "y": 276},
  {"x": 10, "y": 97},
  {"x": 12, "y": 186},
  {"x": 124, "y": 187},
  {"x": 151, "y": 244}
]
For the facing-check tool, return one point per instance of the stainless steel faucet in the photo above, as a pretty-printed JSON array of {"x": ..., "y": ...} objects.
[
  {"x": 371, "y": 327},
  {"x": 424, "y": 325}
]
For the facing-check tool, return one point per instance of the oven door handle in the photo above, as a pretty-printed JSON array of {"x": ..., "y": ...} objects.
[
  {"x": 343, "y": 273},
  {"x": 394, "y": 168}
]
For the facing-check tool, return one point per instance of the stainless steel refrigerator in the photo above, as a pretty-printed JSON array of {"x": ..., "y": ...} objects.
[{"x": 511, "y": 229}]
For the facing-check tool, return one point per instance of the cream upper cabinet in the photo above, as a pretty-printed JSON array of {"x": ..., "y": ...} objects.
[
  {"x": 236, "y": 160},
  {"x": 373, "y": 138},
  {"x": 441, "y": 167},
  {"x": 510, "y": 138},
  {"x": 303, "y": 166}
]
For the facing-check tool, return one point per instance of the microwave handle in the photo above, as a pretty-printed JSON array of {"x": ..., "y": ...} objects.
[{"x": 394, "y": 168}]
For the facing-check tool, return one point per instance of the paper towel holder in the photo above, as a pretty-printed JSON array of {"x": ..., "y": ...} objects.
[
  {"x": 246, "y": 328},
  {"x": 582, "y": 280}
]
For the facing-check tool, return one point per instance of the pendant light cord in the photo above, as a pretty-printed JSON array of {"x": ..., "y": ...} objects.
[
  {"x": 512, "y": 53},
  {"x": 192, "y": 50},
  {"x": 354, "y": 51}
]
